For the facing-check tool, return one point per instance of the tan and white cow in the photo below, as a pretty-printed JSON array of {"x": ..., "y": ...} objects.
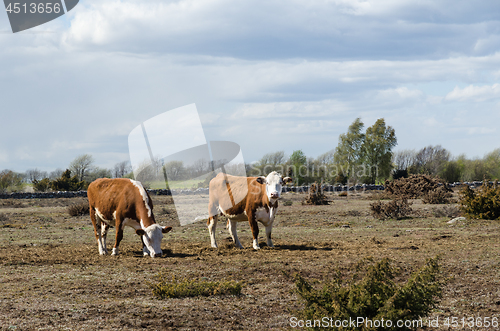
[
  {"x": 124, "y": 202},
  {"x": 241, "y": 199}
]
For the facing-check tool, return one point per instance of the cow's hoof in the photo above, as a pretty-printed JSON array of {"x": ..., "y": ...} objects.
[
  {"x": 256, "y": 248},
  {"x": 115, "y": 251}
]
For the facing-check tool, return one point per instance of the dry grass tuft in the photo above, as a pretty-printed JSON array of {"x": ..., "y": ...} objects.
[{"x": 79, "y": 209}]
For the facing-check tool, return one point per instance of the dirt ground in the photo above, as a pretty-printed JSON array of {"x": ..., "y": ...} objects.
[{"x": 52, "y": 277}]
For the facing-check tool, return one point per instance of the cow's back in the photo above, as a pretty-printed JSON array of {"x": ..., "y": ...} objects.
[
  {"x": 232, "y": 194},
  {"x": 107, "y": 194}
]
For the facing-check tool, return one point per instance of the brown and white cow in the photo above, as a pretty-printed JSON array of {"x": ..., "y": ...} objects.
[
  {"x": 241, "y": 199},
  {"x": 124, "y": 202}
]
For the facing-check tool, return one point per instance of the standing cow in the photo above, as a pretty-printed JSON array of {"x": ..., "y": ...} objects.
[
  {"x": 241, "y": 199},
  {"x": 124, "y": 202}
]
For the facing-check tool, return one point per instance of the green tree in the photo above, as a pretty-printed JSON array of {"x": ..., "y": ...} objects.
[
  {"x": 67, "y": 182},
  {"x": 377, "y": 150},
  {"x": 298, "y": 168},
  {"x": 349, "y": 152},
  {"x": 10, "y": 181}
]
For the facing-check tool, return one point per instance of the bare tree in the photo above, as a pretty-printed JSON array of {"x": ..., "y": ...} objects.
[
  {"x": 174, "y": 170},
  {"x": 55, "y": 174},
  {"x": 431, "y": 160},
  {"x": 200, "y": 167},
  {"x": 404, "y": 159},
  {"x": 81, "y": 165},
  {"x": 121, "y": 169},
  {"x": 35, "y": 175},
  {"x": 326, "y": 158}
]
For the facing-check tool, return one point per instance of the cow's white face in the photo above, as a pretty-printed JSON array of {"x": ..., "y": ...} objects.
[
  {"x": 152, "y": 236},
  {"x": 274, "y": 182}
]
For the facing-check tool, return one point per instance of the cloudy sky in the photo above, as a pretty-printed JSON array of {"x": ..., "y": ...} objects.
[{"x": 268, "y": 75}]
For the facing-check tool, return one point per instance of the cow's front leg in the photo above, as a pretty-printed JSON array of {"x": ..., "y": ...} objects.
[
  {"x": 212, "y": 225},
  {"x": 231, "y": 225},
  {"x": 255, "y": 229},
  {"x": 119, "y": 237},
  {"x": 145, "y": 250},
  {"x": 269, "y": 229}
]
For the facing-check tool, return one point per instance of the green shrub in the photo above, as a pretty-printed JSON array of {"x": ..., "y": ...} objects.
[
  {"x": 41, "y": 185},
  {"x": 396, "y": 209},
  {"x": 67, "y": 183},
  {"x": 483, "y": 202},
  {"x": 170, "y": 287},
  {"x": 79, "y": 209},
  {"x": 375, "y": 296}
]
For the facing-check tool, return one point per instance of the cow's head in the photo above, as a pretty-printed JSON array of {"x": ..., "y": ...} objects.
[
  {"x": 152, "y": 236},
  {"x": 274, "y": 182}
]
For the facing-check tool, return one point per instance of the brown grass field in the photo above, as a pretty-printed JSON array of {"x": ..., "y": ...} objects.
[{"x": 52, "y": 277}]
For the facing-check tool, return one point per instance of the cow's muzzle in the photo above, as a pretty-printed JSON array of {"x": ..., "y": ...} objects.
[
  {"x": 156, "y": 254},
  {"x": 275, "y": 195}
]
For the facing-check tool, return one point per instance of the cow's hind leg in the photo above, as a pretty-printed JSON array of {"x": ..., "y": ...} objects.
[
  {"x": 104, "y": 234},
  {"x": 96, "y": 222},
  {"x": 212, "y": 225},
  {"x": 231, "y": 226}
]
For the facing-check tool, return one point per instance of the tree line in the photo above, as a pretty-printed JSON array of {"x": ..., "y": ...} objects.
[
  {"x": 361, "y": 156},
  {"x": 79, "y": 174}
]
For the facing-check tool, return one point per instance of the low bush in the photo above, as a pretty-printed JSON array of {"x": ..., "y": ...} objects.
[
  {"x": 414, "y": 186},
  {"x": 483, "y": 202},
  {"x": 79, "y": 209},
  {"x": 374, "y": 296},
  {"x": 395, "y": 209},
  {"x": 449, "y": 211},
  {"x": 171, "y": 287},
  {"x": 316, "y": 196},
  {"x": 440, "y": 195},
  {"x": 3, "y": 218}
]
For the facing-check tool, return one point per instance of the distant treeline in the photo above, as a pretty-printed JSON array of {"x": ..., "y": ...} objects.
[{"x": 361, "y": 157}]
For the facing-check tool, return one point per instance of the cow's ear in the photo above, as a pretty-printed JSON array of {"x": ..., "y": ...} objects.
[
  {"x": 287, "y": 180},
  {"x": 140, "y": 232},
  {"x": 261, "y": 180},
  {"x": 166, "y": 229}
]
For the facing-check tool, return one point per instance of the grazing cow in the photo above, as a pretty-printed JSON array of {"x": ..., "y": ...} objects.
[
  {"x": 124, "y": 202},
  {"x": 245, "y": 198}
]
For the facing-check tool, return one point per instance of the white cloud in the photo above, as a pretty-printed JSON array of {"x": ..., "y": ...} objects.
[
  {"x": 474, "y": 93},
  {"x": 299, "y": 72}
]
